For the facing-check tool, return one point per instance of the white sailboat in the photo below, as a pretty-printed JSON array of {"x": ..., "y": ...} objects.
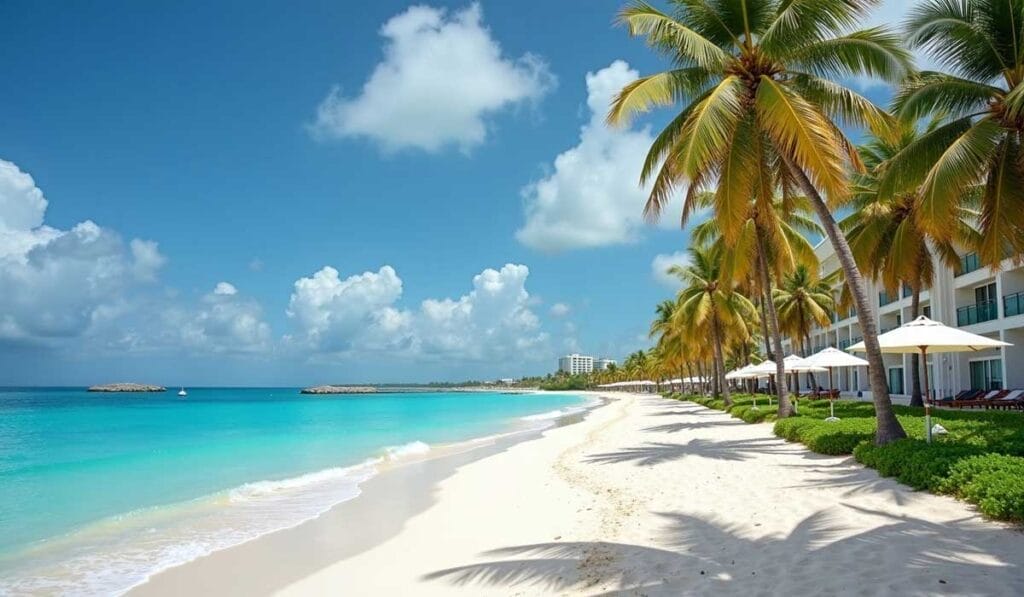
[{"x": 182, "y": 392}]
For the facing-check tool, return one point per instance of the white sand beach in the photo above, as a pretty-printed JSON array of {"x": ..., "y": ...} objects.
[{"x": 646, "y": 496}]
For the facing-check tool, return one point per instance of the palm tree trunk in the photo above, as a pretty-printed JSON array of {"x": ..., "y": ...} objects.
[
  {"x": 785, "y": 407},
  {"x": 915, "y": 364},
  {"x": 765, "y": 336},
  {"x": 888, "y": 427},
  {"x": 720, "y": 361},
  {"x": 689, "y": 373},
  {"x": 807, "y": 353}
]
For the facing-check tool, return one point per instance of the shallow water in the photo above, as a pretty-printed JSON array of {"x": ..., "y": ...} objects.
[{"x": 99, "y": 491}]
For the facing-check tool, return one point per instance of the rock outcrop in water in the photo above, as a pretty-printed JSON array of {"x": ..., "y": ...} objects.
[
  {"x": 127, "y": 387},
  {"x": 340, "y": 390}
]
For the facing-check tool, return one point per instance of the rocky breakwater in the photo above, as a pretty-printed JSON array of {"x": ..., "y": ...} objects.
[
  {"x": 340, "y": 390},
  {"x": 127, "y": 387}
]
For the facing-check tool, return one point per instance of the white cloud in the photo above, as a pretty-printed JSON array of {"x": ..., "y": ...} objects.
[
  {"x": 225, "y": 289},
  {"x": 360, "y": 313},
  {"x": 60, "y": 283},
  {"x": 591, "y": 196},
  {"x": 148, "y": 259},
  {"x": 226, "y": 322},
  {"x": 661, "y": 263},
  {"x": 442, "y": 77},
  {"x": 338, "y": 315},
  {"x": 560, "y": 310}
]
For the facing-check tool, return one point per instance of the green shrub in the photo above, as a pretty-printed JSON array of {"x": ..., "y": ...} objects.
[
  {"x": 995, "y": 482},
  {"x": 838, "y": 437},
  {"x": 915, "y": 462}
]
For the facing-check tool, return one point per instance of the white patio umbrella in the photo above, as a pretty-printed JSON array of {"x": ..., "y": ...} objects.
[
  {"x": 796, "y": 365},
  {"x": 830, "y": 358},
  {"x": 924, "y": 335}
]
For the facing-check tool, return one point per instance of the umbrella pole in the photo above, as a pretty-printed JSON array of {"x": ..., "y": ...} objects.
[
  {"x": 831, "y": 402},
  {"x": 927, "y": 396}
]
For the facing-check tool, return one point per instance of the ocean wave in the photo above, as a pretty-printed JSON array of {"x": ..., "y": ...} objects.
[
  {"x": 111, "y": 556},
  {"x": 554, "y": 414},
  {"x": 416, "y": 448},
  {"x": 356, "y": 474}
]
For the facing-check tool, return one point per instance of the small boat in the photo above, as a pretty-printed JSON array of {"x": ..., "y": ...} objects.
[{"x": 182, "y": 392}]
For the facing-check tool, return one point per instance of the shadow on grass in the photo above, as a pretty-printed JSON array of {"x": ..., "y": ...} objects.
[{"x": 693, "y": 555}]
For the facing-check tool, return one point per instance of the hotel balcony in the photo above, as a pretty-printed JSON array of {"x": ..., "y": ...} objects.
[
  {"x": 977, "y": 313},
  {"x": 1013, "y": 304},
  {"x": 968, "y": 264}
]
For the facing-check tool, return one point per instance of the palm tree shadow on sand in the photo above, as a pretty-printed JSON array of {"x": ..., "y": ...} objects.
[
  {"x": 692, "y": 426},
  {"x": 902, "y": 555},
  {"x": 653, "y": 453}
]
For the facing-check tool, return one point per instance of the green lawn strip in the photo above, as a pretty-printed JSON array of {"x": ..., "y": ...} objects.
[{"x": 980, "y": 460}]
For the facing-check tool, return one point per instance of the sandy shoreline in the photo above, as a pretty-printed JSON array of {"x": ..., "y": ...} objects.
[{"x": 645, "y": 496}]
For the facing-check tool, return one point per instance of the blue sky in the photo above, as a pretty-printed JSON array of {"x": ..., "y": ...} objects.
[{"x": 175, "y": 177}]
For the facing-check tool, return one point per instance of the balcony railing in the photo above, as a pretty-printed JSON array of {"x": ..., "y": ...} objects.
[
  {"x": 1013, "y": 304},
  {"x": 968, "y": 263},
  {"x": 884, "y": 298},
  {"x": 844, "y": 344},
  {"x": 971, "y": 314}
]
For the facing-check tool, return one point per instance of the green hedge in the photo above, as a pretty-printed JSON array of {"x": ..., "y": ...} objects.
[
  {"x": 979, "y": 460},
  {"x": 839, "y": 437}
]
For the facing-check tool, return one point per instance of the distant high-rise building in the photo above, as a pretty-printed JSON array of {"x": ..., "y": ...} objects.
[
  {"x": 574, "y": 364},
  {"x": 603, "y": 364}
]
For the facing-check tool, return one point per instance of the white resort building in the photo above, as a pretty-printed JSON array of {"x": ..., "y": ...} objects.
[
  {"x": 574, "y": 364},
  {"x": 977, "y": 299}
]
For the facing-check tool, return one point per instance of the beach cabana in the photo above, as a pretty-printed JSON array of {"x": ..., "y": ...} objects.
[
  {"x": 830, "y": 358},
  {"x": 924, "y": 335}
]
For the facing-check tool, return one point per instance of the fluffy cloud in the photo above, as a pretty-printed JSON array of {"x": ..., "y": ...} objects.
[
  {"x": 591, "y": 197},
  {"x": 225, "y": 289},
  {"x": 338, "y": 315},
  {"x": 442, "y": 76},
  {"x": 360, "y": 314},
  {"x": 226, "y": 322},
  {"x": 560, "y": 310},
  {"x": 61, "y": 283},
  {"x": 661, "y": 263}
]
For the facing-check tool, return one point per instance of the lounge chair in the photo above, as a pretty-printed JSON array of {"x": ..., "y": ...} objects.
[
  {"x": 984, "y": 400},
  {"x": 1011, "y": 399}
]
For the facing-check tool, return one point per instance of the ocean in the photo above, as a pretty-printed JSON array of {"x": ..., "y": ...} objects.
[{"x": 100, "y": 491}]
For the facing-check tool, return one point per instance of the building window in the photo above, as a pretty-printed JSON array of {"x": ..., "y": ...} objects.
[
  {"x": 983, "y": 309},
  {"x": 968, "y": 264},
  {"x": 927, "y": 311},
  {"x": 1013, "y": 304},
  {"x": 896, "y": 380},
  {"x": 987, "y": 374}
]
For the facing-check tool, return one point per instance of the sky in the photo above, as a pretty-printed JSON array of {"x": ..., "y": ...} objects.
[{"x": 290, "y": 193}]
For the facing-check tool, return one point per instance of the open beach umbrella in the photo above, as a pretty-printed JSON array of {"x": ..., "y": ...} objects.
[
  {"x": 831, "y": 358},
  {"x": 796, "y": 365},
  {"x": 923, "y": 335}
]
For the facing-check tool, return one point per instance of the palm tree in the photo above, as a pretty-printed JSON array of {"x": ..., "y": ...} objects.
[
  {"x": 709, "y": 305},
  {"x": 804, "y": 300},
  {"x": 981, "y": 102},
  {"x": 769, "y": 244},
  {"x": 757, "y": 79},
  {"x": 888, "y": 236}
]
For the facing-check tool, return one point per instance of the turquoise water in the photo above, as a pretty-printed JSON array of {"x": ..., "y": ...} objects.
[{"x": 101, "y": 490}]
